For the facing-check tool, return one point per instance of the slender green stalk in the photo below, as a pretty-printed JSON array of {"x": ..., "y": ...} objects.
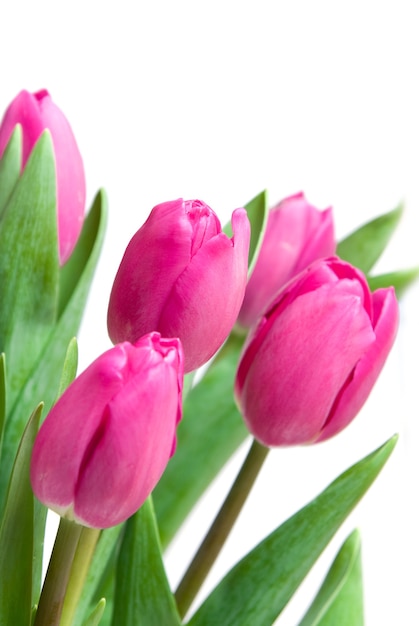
[
  {"x": 81, "y": 563},
  {"x": 220, "y": 529},
  {"x": 54, "y": 588}
]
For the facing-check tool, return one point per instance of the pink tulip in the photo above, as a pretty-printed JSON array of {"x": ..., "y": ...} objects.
[
  {"x": 36, "y": 113},
  {"x": 296, "y": 235},
  {"x": 106, "y": 442},
  {"x": 310, "y": 364},
  {"x": 182, "y": 276}
]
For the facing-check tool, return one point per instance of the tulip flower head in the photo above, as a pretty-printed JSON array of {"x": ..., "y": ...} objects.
[
  {"x": 296, "y": 235},
  {"x": 106, "y": 442},
  {"x": 36, "y": 113},
  {"x": 183, "y": 277},
  {"x": 310, "y": 364}
]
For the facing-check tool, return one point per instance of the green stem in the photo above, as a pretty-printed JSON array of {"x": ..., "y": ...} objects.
[
  {"x": 54, "y": 588},
  {"x": 81, "y": 563},
  {"x": 220, "y": 529}
]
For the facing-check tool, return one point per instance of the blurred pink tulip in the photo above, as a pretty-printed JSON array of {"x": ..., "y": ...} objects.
[
  {"x": 106, "y": 442},
  {"x": 36, "y": 113},
  {"x": 296, "y": 235},
  {"x": 310, "y": 364},
  {"x": 182, "y": 276}
]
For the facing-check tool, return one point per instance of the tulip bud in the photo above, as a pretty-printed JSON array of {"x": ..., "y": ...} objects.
[
  {"x": 296, "y": 235},
  {"x": 310, "y": 364},
  {"x": 36, "y": 113},
  {"x": 106, "y": 442},
  {"x": 182, "y": 276}
]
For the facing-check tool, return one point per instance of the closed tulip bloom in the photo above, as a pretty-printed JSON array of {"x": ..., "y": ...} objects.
[
  {"x": 182, "y": 276},
  {"x": 296, "y": 235},
  {"x": 106, "y": 442},
  {"x": 310, "y": 364},
  {"x": 36, "y": 113}
]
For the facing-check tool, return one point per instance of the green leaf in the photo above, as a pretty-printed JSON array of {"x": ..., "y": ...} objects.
[
  {"x": 142, "y": 592},
  {"x": 257, "y": 589},
  {"x": 340, "y": 599},
  {"x": 364, "y": 247},
  {"x": 96, "y": 615},
  {"x": 70, "y": 367},
  {"x": 257, "y": 212},
  {"x": 400, "y": 280},
  {"x": 211, "y": 421},
  {"x": 2, "y": 397},
  {"x": 16, "y": 536},
  {"x": 44, "y": 380},
  {"x": 78, "y": 271},
  {"x": 10, "y": 167},
  {"x": 29, "y": 266}
]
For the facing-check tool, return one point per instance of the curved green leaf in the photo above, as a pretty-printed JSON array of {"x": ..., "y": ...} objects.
[
  {"x": 211, "y": 421},
  {"x": 364, "y": 247},
  {"x": 76, "y": 274},
  {"x": 70, "y": 367},
  {"x": 16, "y": 536},
  {"x": 340, "y": 599},
  {"x": 257, "y": 589},
  {"x": 400, "y": 280},
  {"x": 142, "y": 593},
  {"x": 257, "y": 212}
]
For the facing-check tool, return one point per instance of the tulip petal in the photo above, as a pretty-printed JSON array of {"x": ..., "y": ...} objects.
[
  {"x": 106, "y": 442},
  {"x": 302, "y": 363},
  {"x": 155, "y": 257},
  {"x": 296, "y": 235},
  {"x": 362, "y": 379},
  {"x": 71, "y": 184},
  {"x": 68, "y": 429},
  {"x": 130, "y": 452},
  {"x": 205, "y": 300}
]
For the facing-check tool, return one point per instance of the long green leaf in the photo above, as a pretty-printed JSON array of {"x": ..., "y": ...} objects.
[
  {"x": 29, "y": 266},
  {"x": 364, "y": 247},
  {"x": 400, "y": 280},
  {"x": 142, "y": 593},
  {"x": 44, "y": 380},
  {"x": 340, "y": 598},
  {"x": 16, "y": 536},
  {"x": 257, "y": 589},
  {"x": 10, "y": 167},
  {"x": 211, "y": 421}
]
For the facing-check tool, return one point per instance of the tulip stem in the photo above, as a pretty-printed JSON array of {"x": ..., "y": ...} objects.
[
  {"x": 220, "y": 529},
  {"x": 81, "y": 563},
  {"x": 54, "y": 588}
]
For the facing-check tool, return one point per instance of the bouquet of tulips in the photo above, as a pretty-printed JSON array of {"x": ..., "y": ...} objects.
[{"x": 293, "y": 331}]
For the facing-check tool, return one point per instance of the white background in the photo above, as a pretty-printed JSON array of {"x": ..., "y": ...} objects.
[{"x": 218, "y": 101}]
